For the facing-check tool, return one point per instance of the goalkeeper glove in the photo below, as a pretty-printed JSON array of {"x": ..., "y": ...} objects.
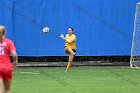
[{"x": 62, "y": 37}]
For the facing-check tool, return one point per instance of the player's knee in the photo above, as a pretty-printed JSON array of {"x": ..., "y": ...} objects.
[{"x": 66, "y": 49}]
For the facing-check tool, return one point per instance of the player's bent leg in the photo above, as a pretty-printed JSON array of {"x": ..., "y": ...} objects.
[
  {"x": 1, "y": 81},
  {"x": 69, "y": 50},
  {"x": 66, "y": 50},
  {"x": 7, "y": 84}
]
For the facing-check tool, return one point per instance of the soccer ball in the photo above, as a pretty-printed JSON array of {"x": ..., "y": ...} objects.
[{"x": 46, "y": 29}]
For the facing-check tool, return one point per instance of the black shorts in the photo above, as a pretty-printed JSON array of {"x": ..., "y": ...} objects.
[{"x": 74, "y": 50}]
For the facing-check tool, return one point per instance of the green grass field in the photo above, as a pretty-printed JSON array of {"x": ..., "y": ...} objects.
[{"x": 78, "y": 80}]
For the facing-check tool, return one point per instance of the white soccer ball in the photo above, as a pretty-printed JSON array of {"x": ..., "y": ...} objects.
[{"x": 46, "y": 29}]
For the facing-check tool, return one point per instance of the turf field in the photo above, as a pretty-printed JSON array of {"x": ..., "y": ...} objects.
[{"x": 78, "y": 80}]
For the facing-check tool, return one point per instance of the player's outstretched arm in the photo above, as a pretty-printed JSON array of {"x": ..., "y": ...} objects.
[{"x": 66, "y": 39}]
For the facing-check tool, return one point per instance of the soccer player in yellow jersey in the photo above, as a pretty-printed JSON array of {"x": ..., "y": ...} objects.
[{"x": 70, "y": 46}]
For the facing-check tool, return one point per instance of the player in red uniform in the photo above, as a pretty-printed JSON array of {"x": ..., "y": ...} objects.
[{"x": 6, "y": 48}]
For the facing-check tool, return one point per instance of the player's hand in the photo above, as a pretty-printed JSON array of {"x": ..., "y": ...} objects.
[
  {"x": 14, "y": 65},
  {"x": 62, "y": 37}
]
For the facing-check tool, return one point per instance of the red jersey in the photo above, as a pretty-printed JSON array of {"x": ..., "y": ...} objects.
[{"x": 5, "y": 49}]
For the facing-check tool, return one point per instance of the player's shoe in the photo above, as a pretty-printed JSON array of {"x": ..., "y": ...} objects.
[{"x": 66, "y": 70}]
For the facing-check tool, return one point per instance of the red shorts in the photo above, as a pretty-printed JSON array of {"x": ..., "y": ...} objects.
[{"x": 5, "y": 73}]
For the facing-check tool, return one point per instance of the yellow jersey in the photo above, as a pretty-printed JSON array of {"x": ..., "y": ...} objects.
[{"x": 70, "y": 41}]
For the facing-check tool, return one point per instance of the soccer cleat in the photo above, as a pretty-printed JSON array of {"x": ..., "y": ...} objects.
[{"x": 66, "y": 70}]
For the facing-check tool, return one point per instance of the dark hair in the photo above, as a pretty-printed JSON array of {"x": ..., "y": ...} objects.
[
  {"x": 2, "y": 29},
  {"x": 3, "y": 32},
  {"x": 71, "y": 28}
]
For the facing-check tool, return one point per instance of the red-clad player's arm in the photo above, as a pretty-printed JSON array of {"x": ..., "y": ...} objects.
[{"x": 14, "y": 54}]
